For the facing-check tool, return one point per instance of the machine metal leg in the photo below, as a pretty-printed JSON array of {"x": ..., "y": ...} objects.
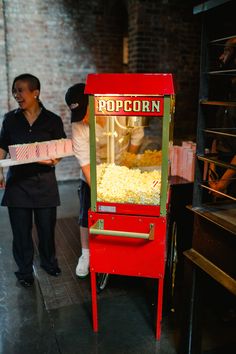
[
  {"x": 94, "y": 301},
  {"x": 159, "y": 308}
]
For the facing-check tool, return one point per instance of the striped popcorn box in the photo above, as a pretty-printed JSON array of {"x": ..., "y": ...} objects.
[
  {"x": 187, "y": 144},
  {"x": 60, "y": 146},
  {"x": 174, "y": 167},
  {"x": 190, "y": 166},
  {"x": 18, "y": 152},
  {"x": 68, "y": 146},
  {"x": 32, "y": 151},
  {"x": 42, "y": 149},
  {"x": 180, "y": 165},
  {"x": 194, "y": 147},
  {"x": 185, "y": 171},
  {"x": 52, "y": 148}
]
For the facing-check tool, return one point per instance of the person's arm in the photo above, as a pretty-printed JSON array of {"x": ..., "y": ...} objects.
[
  {"x": 225, "y": 180},
  {"x": 136, "y": 140},
  {"x": 80, "y": 140},
  {"x": 3, "y": 155},
  {"x": 86, "y": 172},
  {"x": 50, "y": 162},
  {"x": 133, "y": 149}
]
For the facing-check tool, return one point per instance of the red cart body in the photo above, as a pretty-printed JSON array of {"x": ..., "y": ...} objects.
[
  {"x": 125, "y": 255},
  {"x": 127, "y": 238}
]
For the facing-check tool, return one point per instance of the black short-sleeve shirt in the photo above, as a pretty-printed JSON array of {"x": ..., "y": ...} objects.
[{"x": 30, "y": 185}]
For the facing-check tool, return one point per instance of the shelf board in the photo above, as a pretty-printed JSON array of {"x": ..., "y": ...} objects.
[
  {"x": 208, "y": 5},
  {"x": 222, "y": 72},
  {"x": 223, "y": 214},
  {"x": 223, "y": 39},
  {"x": 211, "y": 269},
  {"x": 217, "y": 192},
  {"x": 215, "y": 161},
  {"x": 226, "y": 132},
  {"x": 10, "y": 162},
  {"x": 218, "y": 103}
]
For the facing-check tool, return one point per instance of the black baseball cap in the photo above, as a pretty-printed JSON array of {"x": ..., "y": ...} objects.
[{"x": 77, "y": 101}]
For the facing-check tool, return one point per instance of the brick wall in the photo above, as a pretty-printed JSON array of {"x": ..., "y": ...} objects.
[
  {"x": 3, "y": 66},
  {"x": 164, "y": 36},
  {"x": 62, "y": 41}
]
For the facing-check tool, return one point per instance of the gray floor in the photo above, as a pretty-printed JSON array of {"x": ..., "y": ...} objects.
[
  {"x": 126, "y": 319},
  {"x": 28, "y": 324}
]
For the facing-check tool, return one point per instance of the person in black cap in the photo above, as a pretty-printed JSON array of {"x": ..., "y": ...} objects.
[
  {"x": 125, "y": 140},
  {"x": 77, "y": 101}
]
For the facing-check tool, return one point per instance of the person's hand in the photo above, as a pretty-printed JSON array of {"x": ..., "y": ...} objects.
[
  {"x": 218, "y": 186},
  {"x": 212, "y": 175},
  {"x": 50, "y": 162},
  {"x": 2, "y": 180}
]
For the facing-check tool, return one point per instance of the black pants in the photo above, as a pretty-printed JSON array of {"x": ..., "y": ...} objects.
[
  {"x": 84, "y": 198},
  {"x": 21, "y": 220}
]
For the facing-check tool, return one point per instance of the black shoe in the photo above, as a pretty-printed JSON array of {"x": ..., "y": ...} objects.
[
  {"x": 26, "y": 280},
  {"x": 52, "y": 271},
  {"x": 26, "y": 283}
]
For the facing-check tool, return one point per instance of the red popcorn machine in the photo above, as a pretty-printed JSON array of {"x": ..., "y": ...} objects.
[{"x": 130, "y": 133}]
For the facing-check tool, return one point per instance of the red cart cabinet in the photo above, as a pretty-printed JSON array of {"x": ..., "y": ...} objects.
[
  {"x": 129, "y": 191},
  {"x": 136, "y": 247}
]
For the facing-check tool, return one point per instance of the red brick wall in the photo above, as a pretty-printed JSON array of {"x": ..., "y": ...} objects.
[
  {"x": 62, "y": 41},
  {"x": 165, "y": 37},
  {"x": 3, "y": 66}
]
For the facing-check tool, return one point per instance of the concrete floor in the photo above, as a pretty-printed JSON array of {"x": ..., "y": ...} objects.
[
  {"x": 126, "y": 320},
  {"x": 126, "y": 310}
]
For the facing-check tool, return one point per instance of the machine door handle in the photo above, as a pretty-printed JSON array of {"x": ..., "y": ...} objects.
[{"x": 98, "y": 229}]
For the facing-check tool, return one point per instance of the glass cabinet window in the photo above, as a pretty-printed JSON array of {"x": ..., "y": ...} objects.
[
  {"x": 217, "y": 139},
  {"x": 129, "y": 157}
]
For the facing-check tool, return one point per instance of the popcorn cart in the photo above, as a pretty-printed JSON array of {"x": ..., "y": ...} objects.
[{"x": 130, "y": 133}]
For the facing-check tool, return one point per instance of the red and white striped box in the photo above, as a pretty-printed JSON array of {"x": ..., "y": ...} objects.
[
  {"x": 42, "y": 150},
  {"x": 68, "y": 146},
  {"x": 174, "y": 166},
  {"x": 194, "y": 147},
  {"x": 60, "y": 146},
  {"x": 187, "y": 144},
  {"x": 32, "y": 151},
  {"x": 18, "y": 152},
  {"x": 180, "y": 165},
  {"x": 185, "y": 152},
  {"x": 52, "y": 148},
  {"x": 190, "y": 168}
]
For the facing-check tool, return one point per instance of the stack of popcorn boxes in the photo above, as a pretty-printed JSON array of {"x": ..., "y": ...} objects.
[
  {"x": 41, "y": 150},
  {"x": 182, "y": 160}
]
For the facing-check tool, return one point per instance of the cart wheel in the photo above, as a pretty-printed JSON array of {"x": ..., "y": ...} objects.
[
  {"x": 102, "y": 281},
  {"x": 172, "y": 264}
]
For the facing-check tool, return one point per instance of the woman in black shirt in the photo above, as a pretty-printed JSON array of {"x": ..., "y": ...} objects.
[{"x": 31, "y": 189}]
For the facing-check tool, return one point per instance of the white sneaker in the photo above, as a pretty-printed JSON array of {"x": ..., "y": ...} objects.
[{"x": 82, "y": 269}]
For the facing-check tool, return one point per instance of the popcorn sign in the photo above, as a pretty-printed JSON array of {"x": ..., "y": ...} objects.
[{"x": 129, "y": 106}]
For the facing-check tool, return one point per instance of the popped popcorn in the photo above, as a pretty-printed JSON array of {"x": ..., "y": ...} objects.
[
  {"x": 119, "y": 184},
  {"x": 148, "y": 158}
]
